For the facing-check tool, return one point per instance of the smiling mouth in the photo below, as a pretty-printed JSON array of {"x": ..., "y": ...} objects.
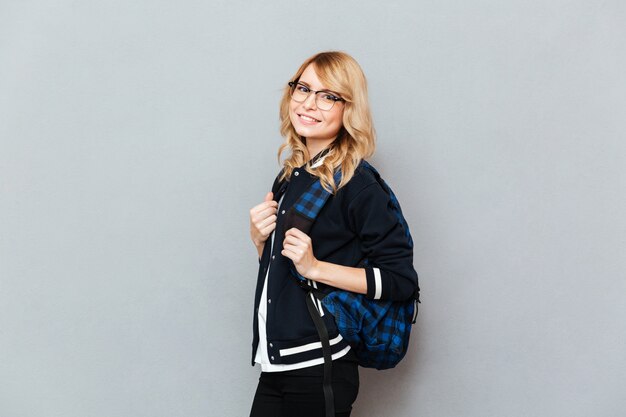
[{"x": 308, "y": 118}]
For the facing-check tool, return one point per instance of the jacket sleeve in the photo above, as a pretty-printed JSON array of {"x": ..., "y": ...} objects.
[{"x": 389, "y": 268}]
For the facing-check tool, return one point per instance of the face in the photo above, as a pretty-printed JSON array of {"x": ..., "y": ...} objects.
[{"x": 310, "y": 122}]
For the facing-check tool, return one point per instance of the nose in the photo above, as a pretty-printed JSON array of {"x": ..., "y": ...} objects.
[{"x": 310, "y": 102}]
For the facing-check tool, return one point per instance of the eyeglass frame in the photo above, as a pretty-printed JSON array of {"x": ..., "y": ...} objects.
[{"x": 293, "y": 84}]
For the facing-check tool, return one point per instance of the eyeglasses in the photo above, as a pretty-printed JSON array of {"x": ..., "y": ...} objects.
[{"x": 324, "y": 100}]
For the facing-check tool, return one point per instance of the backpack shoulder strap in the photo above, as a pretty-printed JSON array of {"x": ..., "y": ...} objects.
[
  {"x": 305, "y": 210},
  {"x": 395, "y": 204}
]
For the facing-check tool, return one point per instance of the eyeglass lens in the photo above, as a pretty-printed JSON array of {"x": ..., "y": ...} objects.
[{"x": 323, "y": 99}]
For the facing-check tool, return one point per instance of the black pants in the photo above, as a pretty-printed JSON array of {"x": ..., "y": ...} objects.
[{"x": 299, "y": 393}]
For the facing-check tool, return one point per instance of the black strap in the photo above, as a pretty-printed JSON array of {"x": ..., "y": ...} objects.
[{"x": 328, "y": 360}]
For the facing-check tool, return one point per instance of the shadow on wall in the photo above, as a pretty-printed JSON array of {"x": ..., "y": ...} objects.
[{"x": 390, "y": 392}]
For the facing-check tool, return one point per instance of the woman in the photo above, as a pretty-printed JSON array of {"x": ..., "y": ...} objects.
[{"x": 326, "y": 122}]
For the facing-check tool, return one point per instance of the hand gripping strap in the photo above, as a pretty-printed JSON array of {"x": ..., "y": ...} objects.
[{"x": 306, "y": 209}]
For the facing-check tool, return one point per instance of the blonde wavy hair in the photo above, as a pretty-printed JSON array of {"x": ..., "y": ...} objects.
[{"x": 355, "y": 141}]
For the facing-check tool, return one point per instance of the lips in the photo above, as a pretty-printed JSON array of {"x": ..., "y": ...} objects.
[{"x": 308, "y": 119}]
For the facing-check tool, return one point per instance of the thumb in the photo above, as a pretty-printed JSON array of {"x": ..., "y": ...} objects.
[{"x": 269, "y": 196}]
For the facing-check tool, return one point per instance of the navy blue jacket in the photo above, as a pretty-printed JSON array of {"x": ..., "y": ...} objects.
[{"x": 356, "y": 223}]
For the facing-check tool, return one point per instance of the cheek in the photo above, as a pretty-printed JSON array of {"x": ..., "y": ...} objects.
[
  {"x": 292, "y": 114},
  {"x": 336, "y": 119}
]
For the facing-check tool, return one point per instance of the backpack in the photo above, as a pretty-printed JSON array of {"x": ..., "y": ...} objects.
[{"x": 378, "y": 331}]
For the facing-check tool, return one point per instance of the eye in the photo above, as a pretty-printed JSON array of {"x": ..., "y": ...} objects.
[
  {"x": 302, "y": 88},
  {"x": 329, "y": 98}
]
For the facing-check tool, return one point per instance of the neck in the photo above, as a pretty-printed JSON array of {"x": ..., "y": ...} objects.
[{"x": 315, "y": 146}]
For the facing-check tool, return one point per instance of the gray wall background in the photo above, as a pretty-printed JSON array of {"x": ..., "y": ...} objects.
[{"x": 135, "y": 136}]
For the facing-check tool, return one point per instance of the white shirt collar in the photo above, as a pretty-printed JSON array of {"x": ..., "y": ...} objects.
[{"x": 320, "y": 161}]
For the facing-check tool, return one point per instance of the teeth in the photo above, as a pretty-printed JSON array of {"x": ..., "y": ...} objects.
[{"x": 308, "y": 118}]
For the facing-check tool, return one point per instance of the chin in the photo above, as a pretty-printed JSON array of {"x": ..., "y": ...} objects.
[{"x": 302, "y": 132}]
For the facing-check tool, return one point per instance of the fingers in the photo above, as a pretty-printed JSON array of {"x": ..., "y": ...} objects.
[
  {"x": 289, "y": 252},
  {"x": 297, "y": 233},
  {"x": 294, "y": 240},
  {"x": 266, "y": 209},
  {"x": 263, "y": 223},
  {"x": 264, "y": 214},
  {"x": 299, "y": 244},
  {"x": 263, "y": 219},
  {"x": 266, "y": 205},
  {"x": 268, "y": 229},
  {"x": 261, "y": 227},
  {"x": 294, "y": 249},
  {"x": 297, "y": 237},
  {"x": 298, "y": 247}
]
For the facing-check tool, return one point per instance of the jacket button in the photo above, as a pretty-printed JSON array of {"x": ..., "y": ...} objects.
[
  {"x": 282, "y": 212},
  {"x": 296, "y": 173},
  {"x": 269, "y": 301},
  {"x": 271, "y": 345},
  {"x": 273, "y": 257},
  {"x": 271, "y": 357}
]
